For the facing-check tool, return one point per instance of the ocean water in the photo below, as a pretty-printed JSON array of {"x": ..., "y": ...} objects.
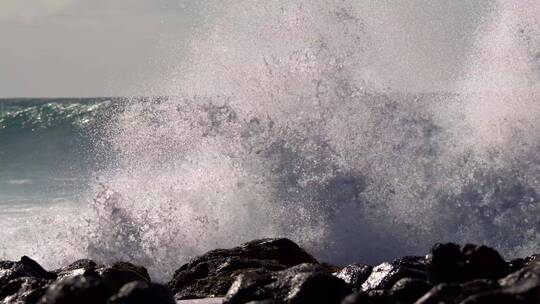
[
  {"x": 299, "y": 120},
  {"x": 46, "y": 150},
  {"x": 47, "y": 160}
]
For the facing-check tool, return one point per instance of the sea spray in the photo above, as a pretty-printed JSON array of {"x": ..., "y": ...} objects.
[
  {"x": 327, "y": 122},
  {"x": 288, "y": 127}
]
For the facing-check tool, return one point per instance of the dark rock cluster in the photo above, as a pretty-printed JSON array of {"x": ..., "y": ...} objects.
[
  {"x": 82, "y": 282},
  {"x": 273, "y": 271}
]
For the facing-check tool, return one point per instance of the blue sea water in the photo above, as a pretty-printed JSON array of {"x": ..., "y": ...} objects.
[{"x": 46, "y": 152}]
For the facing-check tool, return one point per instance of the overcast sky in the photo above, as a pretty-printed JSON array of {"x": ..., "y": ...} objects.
[
  {"x": 52, "y": 48},
  {"x": 86, "y": 48}
]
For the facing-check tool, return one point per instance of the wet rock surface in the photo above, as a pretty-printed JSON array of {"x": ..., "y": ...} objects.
[
  {"x": 450, "y": 263},
  {"x": 214, "y": 272},
  {"x": 84, "y": 281},
  {"x": 385, "y": 275},
  {"x": 304, "y": 283},
  {"x": 143, "y": 292},
  {"x": 355, "y": 274},
  {"x": 272, "y": 271}
]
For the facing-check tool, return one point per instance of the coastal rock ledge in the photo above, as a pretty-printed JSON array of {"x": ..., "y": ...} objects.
[{"x": 272, "y": 271}]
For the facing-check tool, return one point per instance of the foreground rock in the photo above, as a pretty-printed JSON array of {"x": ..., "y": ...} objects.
[
  {"x": 450, "y": 263},
  {"x": 26, "y": 267},
  {"x": 140, "y": 292},
  {"x": 272, "y": 271},
  {"x": 23, "y": 290},
  {"x": 355, "y": 275},
  {"x": 84, "y": 281},
  {"x": 385, "y": 275},
  {"x": 214, "y": 272},
  {"x": 305, "y": 283}
]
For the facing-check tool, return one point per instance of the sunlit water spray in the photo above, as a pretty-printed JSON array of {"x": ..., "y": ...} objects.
[{"x": 300, "y": 119}]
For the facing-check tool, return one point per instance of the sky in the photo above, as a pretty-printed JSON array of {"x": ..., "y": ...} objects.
[
  {"x": 53, "y": 48},
  {"x": 64, "y": 48}
]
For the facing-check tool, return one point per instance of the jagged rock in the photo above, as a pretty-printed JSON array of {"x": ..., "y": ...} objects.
[
  {"x": 82, "y": 289},
  {"x": 404, "y": 291},
  {"x": 115, "y": 275},
  {"x": 248, "y": 286},
  {"x": 496, "y": 297},
  {"x": 79, "y": 267},
  {"x": 482, "y": 262},
  {"x": 26, "y": 267},
  {"x": 522, "y": 286},
  {"x": 86, "y": 282},
  {"x": 213, "y": 273},
  {"x": 385, "y": 275},
  {"x": 26, "y": 290},
  {"x": 305, "y": 283},
  {"x": 142, "y": 292},
  {"x": 455, "y": 293},
  {"x": 370, "y": 297},
  {"x": 355, "y": 274},
  {"x": 531, "y": 272},
  {"x": 121, "y": 273},
  {"x": 517, "y": 264},
  {"x": 444, "y": 263},
  {"x": 272, "y": 271},
  {"x": 449, "y": 263},
  {"x": 408, "y": 290}
]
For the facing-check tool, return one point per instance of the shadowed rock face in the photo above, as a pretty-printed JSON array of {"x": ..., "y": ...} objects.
[
  {"x": 140, "y": 292},
  {"x": 455, "y": 293},
  {"x": 78, "y": 289},
  {"x": 214, "y": 272},
  {"x": 305, "y": 283},
  {"x": 449, "y": 263},
  {"x": 26, "y": 267},
  {"x": 272, "y": 271},
  {"x": 84, "y": 281},
  {"x": 23, "y": 290}
]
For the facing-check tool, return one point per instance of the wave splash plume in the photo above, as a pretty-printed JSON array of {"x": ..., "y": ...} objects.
[{"x": 304, "y": 119}]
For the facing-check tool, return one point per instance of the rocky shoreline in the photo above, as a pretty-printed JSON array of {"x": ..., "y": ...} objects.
[{"x": 272, "y": 271}]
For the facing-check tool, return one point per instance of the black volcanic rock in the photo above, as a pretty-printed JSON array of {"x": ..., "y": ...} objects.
[
  {"x": 128, "y": 267},
  {"x": 121, "y": 273},
  {"x": 277, "y": 271},
  {"x": 26, "y": 267},
  {"x": 370, "y": 297},
  {"x": 213, "y": 273},
  {"x": 522, "y": 286},
  {"x": 26, "y": 290},
  {"x": 445, "y": 263},
  {"x": 84, "y": 281},
  {"x": 79, "y": 267},
  {"x": 305, "y": 283},
  {"x": 517, "y": 264},
  {"x": 142, "y": 292},
  {"x": 82, "y": 289},
  {"x": 450, "y": 263},
  {"x": 385, "y": 275},
  {"x": 482, "y": 262},
  {"x": 455, "y": 293},
  {"x": 405, "y": 291},
  {"x": 355, "y": 274},
  {"x": 408, "y": 290}
]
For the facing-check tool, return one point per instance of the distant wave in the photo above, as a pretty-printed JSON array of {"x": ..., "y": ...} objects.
[
  {"x": 19, "y": 181},
  {"x": 39, "y": 115}
]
